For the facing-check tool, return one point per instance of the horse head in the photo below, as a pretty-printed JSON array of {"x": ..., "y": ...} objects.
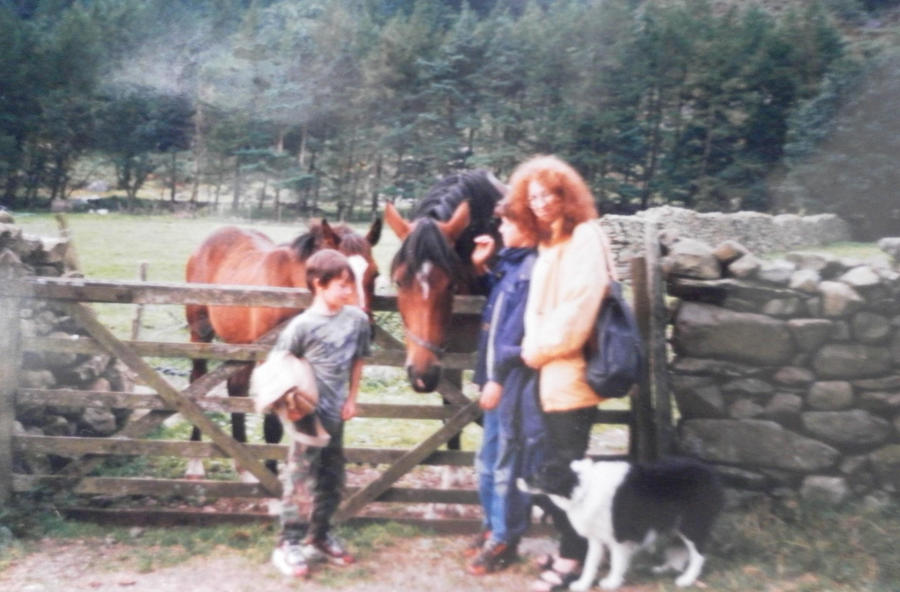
[
  {"x": 356, "y": 247},
  {"x": 426, "y": 271}
]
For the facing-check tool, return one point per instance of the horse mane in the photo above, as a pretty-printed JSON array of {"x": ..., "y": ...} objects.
[
  {"x": 351, "y": 242},
  {"x": 425, "y": 243},
  {"x": 311, "y": 241},
  {"x": 444, "y": 197},
  {"x": 306, "y": 244}
]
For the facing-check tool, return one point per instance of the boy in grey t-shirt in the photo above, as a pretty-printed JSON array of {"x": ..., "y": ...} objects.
[{"x": 333, "y": 337}]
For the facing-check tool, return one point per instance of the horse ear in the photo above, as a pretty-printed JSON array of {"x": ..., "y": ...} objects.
[
  {"x": 453, "y": 227},
  {"x": 393, "y": 218},
  {"x": 374, "y": 232},
  {"x": 329, "y": 238}
]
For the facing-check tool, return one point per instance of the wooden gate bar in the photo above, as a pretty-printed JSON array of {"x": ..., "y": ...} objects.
[
  {"x": 10, "y": 359},
  {"x": 409, "y": 460},
  {"x": 217, "y": 351},
  {"x": 187, "y": 407}
]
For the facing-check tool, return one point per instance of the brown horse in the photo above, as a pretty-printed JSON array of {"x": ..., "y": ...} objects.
[
  {"x": 434, "y": 264},
  {"x": 234, "y": 256}
]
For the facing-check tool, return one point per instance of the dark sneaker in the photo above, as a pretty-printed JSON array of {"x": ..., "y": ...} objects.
[
  {"x": 290, "y": 559},
  {"x": 494, "y": 556},
  {"x": 334, "y": 550},
  {"x": 475, "y": 545}
]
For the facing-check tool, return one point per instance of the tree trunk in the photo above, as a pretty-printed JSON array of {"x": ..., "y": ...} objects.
[
  {"x": 236, "y": 197},
  {"x": 173, "y": 162},
  {"x": 377, "y": 184}
]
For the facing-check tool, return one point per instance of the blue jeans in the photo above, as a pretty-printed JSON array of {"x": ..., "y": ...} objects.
[{"x": 507, "y": 511}]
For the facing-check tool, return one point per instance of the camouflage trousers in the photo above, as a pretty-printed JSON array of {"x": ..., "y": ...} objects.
[{"x": 312, "y": 481}]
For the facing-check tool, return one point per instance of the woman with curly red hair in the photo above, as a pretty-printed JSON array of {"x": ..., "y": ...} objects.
[{"x": 569, "y": 280}]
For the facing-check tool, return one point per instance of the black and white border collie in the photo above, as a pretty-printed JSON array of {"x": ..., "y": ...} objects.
[{"x": 624, "y": 506}]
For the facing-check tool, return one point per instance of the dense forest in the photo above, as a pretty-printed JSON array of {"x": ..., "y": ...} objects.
[{"x": 338, "y": 104}]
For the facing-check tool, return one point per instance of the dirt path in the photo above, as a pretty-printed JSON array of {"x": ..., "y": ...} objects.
[{"x": 420, "y": 563}]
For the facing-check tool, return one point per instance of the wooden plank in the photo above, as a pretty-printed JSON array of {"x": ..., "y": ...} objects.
[
  {"x": 187, "y": 407},
  {"x": 409, "y": 460},
  {"x": 156, "y": 517},
  {"x": 10, "y": 361},
  {"x": 135, "y": 292},
  {"x": 217, "y": 351},
  {"x": 119, "y": 400},
  {"x": 68, "y": 446},
  {"x": 126, "y": 486},
  {"x": 157, "y": 349},
  {"x": 384, "y": 456},
  {"x": 657, "y": 345},
  {"x": 643, "y": 438}
]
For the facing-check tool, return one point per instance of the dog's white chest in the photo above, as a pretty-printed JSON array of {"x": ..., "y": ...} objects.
[{"x": 592, "y": 505}]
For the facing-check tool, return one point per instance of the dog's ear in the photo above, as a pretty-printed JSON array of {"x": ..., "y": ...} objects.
[{"x": 581, "y": 465}]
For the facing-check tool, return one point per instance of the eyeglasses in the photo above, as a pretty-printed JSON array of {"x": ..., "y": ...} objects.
[{"x": 541, "y": 198}]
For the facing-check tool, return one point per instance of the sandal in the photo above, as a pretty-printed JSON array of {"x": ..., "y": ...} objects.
[
  {"x": 554, "y": 581},
  {"x": 545, "y": 561}
]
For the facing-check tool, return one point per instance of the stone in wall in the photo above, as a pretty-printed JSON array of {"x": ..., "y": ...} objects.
[
  {"x": 854, "y": 428},
  {"x": 886, "y": 464},
  {"x": 704, "y": 331},
  {"x": 754, "y": 442}
]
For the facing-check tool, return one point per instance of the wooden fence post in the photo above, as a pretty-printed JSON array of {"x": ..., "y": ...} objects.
[
  {"x": 10, "y": 360},
  {"x": 138, "y": 319},
  {"x": 657, "y": 358},
  {"x": 644, "y": 440}
]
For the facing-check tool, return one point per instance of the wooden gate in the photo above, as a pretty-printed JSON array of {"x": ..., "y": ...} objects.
[{"x": 644, "y": 417}]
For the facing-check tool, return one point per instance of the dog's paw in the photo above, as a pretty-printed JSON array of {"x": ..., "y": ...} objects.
[
  {"x": 609, "y": 583},
  {"x": 580, "y": 586},
  {"x": 685, "y": 580}
]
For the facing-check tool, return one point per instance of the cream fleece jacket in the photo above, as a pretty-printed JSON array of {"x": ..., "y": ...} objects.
[{"x": 568, "y": 282}]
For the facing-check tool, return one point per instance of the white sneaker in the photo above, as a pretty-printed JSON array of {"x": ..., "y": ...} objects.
[{"x": 290, "y": 559}]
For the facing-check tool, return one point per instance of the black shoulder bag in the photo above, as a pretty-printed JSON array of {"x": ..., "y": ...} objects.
[{"x": 614, "y": 354}]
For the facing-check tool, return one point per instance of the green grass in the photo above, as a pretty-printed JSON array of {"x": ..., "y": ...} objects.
[{"x": 852, "y": 250}]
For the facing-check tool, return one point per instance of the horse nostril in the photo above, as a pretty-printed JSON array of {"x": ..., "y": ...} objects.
[{"x": 424, "y": 382}]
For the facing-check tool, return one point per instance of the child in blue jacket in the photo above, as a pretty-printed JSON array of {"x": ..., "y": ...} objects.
[{"x": 514, "y": 434}]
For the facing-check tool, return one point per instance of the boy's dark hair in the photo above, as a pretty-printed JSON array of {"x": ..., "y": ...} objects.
[
  {"x": 522, "y": 217},
  {"x": 326, "y": 265}
]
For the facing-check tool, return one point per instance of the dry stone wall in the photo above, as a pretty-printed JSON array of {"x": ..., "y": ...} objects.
[
  {"x": 760, "y": 233},
  {"x": 24, "y": 255},
  {"x": 786, "y": 373}
]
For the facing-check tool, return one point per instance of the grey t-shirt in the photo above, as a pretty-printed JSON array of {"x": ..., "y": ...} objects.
[{"x": 330, "y": 343}]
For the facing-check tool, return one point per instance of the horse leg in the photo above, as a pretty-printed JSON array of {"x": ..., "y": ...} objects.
[
  {"x": 272, "y": 431},
  {"x": 201, "y": 331},
  {"x": 238, "y": 386}
]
